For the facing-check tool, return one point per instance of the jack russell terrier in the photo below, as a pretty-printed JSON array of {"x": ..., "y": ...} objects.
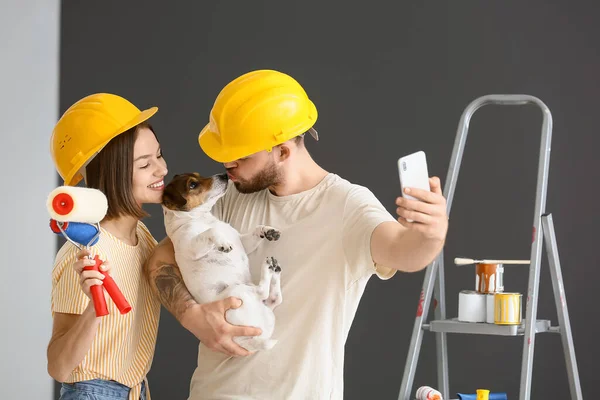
[{"x": 212, "y": 256}]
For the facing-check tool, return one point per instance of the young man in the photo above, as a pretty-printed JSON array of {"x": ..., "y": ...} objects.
[{"x": 334, "y": 236}]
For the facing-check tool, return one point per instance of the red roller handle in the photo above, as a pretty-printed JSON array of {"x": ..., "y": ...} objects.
[
  {"x": 114, "y": 292},
  {"x": 111, "y": 288},
  {"x": 97, "y": 292}
]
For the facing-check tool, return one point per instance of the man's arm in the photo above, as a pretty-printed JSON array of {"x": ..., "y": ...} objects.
[
  {"x": 166, "y": 281},
  {"x": 411, "y": 246},
  {"x": 206, "y": 321}
]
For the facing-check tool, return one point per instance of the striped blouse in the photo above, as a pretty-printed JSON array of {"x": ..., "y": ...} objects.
[{"x": 124, "y": 344}]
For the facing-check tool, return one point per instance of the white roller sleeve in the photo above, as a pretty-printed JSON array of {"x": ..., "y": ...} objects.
[
  {"x": 89, "y": 205},
  {"x": 428, "y": 393},
  {"x": 471, "y": 306}
]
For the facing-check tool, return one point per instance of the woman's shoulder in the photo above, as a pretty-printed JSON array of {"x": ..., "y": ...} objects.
[
  {"x": 65, "y": 256},
  {"x": 67, "y": 252}
]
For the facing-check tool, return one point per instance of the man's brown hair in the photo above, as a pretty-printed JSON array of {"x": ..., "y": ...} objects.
[{"x": 111, "y": 172}]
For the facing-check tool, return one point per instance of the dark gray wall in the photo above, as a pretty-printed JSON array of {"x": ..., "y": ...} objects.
[{"x": 388, "y": 78}]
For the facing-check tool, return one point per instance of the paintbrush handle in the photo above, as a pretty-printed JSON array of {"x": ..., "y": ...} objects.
[
  {"x": 505, "y": 262},
  {"x": 466, "y": 261}
]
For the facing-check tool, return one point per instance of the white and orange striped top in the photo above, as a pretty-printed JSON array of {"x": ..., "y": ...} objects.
[{"x": 124, "y": 344}]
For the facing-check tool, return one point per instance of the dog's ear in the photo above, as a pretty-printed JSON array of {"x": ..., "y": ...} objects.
[
  {"x": 172, "y": 197},
  {"x": 177, "y": 200}
]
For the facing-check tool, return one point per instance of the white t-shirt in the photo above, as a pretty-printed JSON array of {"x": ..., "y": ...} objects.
[{"x": 325, "y": 258}]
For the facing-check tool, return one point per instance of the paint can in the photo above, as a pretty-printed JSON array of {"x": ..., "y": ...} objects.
[
  {"x": 507, "y": 308},
  {"x": 471, "y": 306},
  {"x": 489, "y": 278},
  {"x": 489, "y": 308}
]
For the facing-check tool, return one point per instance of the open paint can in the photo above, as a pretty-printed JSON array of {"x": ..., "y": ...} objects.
[
  {"x": 489, "y": 278},
  {"x": 507, "y": 308},
  {"x": 471, "y": 306}
]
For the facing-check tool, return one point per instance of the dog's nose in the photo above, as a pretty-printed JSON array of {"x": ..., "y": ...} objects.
[{"x": 223, "y": 177}]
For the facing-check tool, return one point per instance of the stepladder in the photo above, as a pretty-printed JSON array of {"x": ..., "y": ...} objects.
[{"x": 543, "y": 235}]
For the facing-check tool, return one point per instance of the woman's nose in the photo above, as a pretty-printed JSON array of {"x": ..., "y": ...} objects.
[{"x": 162, "y": 171}]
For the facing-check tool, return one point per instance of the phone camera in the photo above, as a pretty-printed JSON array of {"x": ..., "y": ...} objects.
[{"x": 403, "y": 166}]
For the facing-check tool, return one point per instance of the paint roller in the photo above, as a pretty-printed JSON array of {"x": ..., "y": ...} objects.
[
  {"x": 75, "y": 213},
  {"x": 428, "y": 393}
]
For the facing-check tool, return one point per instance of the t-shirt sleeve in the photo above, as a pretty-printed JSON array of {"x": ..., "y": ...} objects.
[
  {"x": 363, "y": 212},
  {"x": 67, "y": 296}
]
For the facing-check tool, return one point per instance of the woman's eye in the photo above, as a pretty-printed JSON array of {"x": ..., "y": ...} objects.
[{"x": 145, "y": 166}]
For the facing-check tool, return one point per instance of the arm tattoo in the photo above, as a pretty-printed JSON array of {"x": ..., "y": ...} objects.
[{"x": 167, "y": 283}]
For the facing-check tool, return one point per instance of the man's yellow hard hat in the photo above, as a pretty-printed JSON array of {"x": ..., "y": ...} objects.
[
  {"x": 86, "y": 127},
  {"x": 256, "y": 112}
]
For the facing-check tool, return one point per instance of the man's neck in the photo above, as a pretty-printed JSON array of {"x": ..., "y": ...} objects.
[
  {"x": 123, "y": 228},
  {"x": 302, "y": 174}
]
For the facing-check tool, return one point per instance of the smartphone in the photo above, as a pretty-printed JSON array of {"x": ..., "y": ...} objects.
[{"x": 413, "y": 172}]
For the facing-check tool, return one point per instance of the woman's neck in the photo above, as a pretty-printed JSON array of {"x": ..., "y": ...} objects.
[{"x": 123, "y": 228}]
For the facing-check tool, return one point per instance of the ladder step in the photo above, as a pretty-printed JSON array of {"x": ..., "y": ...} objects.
[{"x": 455, "y": 326}]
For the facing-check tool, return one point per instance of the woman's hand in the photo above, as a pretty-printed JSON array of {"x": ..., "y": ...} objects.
[{"x": 89, "y": 278}]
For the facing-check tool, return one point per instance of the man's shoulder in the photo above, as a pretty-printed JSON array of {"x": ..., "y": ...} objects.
[{"x": 343, "y": 187}]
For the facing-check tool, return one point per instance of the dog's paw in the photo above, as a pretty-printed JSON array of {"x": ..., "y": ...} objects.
[
  {"x": 272, "y": 235},
  {"x": 268, "y": 232},
  {"x": 225, "y": 248},
  {"x": 273, "y": 264},
  {"x": 222, "y": 245}
]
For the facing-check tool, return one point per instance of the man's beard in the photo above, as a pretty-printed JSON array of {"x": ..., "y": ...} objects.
[{"x": 263, "y": 180}]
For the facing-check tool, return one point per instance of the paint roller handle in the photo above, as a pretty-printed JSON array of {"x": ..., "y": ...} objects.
[
  {"x": 117, "y": 296},
  {"x": 97, "y": 291}
]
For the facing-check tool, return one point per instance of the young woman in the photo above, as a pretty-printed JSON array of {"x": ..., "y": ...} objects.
[{"x": 106, "y": 141}]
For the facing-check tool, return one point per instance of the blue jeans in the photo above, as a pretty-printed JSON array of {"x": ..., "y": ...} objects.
[{"x": 97, "y": 389}]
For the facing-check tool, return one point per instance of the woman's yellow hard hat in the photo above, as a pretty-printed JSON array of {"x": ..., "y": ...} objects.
[
  {"x": 86, "y": 127},
  {"x": 256, "y": 112}
]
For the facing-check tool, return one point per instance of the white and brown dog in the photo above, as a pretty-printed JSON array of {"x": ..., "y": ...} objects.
[{"x": 212, "y": 256}]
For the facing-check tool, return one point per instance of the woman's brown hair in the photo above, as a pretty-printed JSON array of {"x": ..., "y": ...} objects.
[{"x": 111, "y": 172}]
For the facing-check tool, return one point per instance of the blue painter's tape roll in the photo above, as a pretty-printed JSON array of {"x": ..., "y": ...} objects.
[
  {"x": 493, "y": 396},
  {"x": 81, "y": 233}
]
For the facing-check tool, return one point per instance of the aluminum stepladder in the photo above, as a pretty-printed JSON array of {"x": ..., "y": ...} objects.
[{"x": 543, "y": 227}]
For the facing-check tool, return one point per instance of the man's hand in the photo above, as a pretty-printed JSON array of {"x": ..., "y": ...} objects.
[
  {"x": 428, "y": 215},
  {"x": 207, "y": 322}
]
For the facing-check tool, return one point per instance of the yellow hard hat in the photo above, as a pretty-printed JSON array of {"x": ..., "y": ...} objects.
[
  {"x": 86, "y": 127},
  {"x": 256, "y": 112}
]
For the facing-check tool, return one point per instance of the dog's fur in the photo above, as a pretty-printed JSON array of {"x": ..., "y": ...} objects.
[{"x": 212, "y": 256}]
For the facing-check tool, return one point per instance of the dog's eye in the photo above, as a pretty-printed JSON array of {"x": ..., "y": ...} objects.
[{"x": 193, "y": 185}]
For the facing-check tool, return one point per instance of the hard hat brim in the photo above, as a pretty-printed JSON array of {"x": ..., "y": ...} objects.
[
  {"x": 75, "y": 176},
  {"x": 211, "y": 145}
]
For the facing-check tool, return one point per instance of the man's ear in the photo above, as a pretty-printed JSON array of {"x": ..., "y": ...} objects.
[{"x": 284, "y": 152}]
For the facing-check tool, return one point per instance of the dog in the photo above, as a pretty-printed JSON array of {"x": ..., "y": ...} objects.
[{"x": 213, "y": 256}]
